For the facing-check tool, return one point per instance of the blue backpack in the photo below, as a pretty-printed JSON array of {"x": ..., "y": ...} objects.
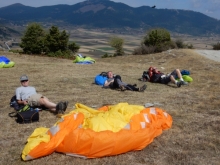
[
  {"x": 185, "y": 72},
  {"x": 101, "y": 78}
]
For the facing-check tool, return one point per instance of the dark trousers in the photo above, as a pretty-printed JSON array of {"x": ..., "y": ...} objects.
[{"x": 117, "y": 82}]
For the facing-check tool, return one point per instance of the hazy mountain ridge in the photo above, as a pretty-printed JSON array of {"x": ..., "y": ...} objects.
[{"x": 108, "y": 14}]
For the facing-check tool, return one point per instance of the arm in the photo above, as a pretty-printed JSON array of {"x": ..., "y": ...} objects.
[
  {"x": 22, "y": 102},
  {"x": 108, "y": 83},
  {"x": 19, "y": 98}
]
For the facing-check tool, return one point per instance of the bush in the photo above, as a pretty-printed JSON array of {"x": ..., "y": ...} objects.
[
  {"x": 159, "y": 39},
  {"x": 117, "y": 43},
  {"x": 16, "y": 51},
  {"x": 190, "y": 46},
  {"x": 105, "y": 55},
  {"x": 143, "y": 49},
  {"x": 180, "y": 44},
  {"x": 216, "y": 46}
]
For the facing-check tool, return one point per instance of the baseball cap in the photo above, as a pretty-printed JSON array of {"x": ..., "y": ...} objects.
[{"x": 23, "y": 78}]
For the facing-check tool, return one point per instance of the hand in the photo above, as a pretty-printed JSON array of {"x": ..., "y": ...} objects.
[{"x": 25, "y": 102}]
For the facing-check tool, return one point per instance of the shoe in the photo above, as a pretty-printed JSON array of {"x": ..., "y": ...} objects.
[
  {"x": 142, "y": 89},
  {"x": 122, "y": 87},
  {"x": 178, "y": 84},
  {"x": 60, "y": 107},
  {"x": 65, "y": 105},
  {"x": 134, "y": 85},
  {"x": 184, "y": 83}
]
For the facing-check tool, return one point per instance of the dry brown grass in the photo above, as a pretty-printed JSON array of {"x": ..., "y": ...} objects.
[{"x": 194, "y": 137}]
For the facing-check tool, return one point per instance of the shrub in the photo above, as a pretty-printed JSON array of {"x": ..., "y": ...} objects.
[
  {"x": 190, "y": 46},
  {"x": 117, "y": 43},
  {"x": 143, "y": 49},
  {"x": 179, "y": 43},
  {"x": 16, "y": 51},
  {"x": 105, "y": 55},
  {"x": 158, "y": 38},
  {"x": 216, "y": 46}
]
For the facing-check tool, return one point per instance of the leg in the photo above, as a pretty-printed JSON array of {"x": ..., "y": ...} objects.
[
  {"x": 50, "y": 105},
  {"x": 172, "y": 79},
  {"x": 182, "y": 82},
  {"x": 177, "y": 73},
  {"x": 131, "y": 87},
  {"x": 40, "y": 100},
  {"x": 118, "y": 82}
]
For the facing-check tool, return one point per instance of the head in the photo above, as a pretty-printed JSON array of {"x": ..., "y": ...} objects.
[
  {"x": 24, "y": 80},
  {"x": 153, "y": 69},
  {"x": 110, "y": 74}
]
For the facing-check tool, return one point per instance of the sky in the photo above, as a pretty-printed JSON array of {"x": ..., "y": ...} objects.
[{"x": 208, "y": 7}]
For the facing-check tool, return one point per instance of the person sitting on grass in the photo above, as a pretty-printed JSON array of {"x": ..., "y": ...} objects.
[
  {"x": 114, "y": 82},
  {"x": 155, "y": 76},
  {"x": 27, "y": 95}
]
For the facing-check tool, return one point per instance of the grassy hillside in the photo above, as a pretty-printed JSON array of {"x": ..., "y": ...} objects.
[{"x": 192, "y": 139}]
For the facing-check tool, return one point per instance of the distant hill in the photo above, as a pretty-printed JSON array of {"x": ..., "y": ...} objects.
[
  {"x": 109, "y": 14},
  {"x": 6, "y": 32}
]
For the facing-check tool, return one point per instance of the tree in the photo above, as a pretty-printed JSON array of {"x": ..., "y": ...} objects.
[
  {"x": 74, "y": 47},
  {"x": 117, "y": 43},
  {"x": 33, "y": 40},
  {"x": 216, "y": 46},
  {"x": 56, "y": 41},
  {"x": 160, "y": 38}
]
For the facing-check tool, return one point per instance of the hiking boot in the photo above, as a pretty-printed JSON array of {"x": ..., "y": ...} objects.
[
  {"x": 122, "y": 87},
  {"x": 142, "y": 89},
  {"x": 60, "y": 107}
]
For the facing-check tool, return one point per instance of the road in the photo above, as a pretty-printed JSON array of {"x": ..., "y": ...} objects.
[{"x": 211, "y": 54}]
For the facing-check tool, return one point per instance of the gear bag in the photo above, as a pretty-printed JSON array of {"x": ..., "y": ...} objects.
[{"x": 24, "y": 113}]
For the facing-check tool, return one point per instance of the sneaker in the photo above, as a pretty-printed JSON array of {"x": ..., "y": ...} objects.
[
  {"x": 142, "y": 89},
  {"x": 184, "y": 83},
  {"x": 122, "y": 87},
  {"x": 178, "y": 84}
]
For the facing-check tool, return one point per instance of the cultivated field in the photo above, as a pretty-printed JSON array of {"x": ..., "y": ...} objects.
[
  {"x": 94, "y": 42},
  {"x": 194, "y": 137}
]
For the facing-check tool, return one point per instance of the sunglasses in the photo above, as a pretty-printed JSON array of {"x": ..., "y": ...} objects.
[{"x": 24, "y": 80}]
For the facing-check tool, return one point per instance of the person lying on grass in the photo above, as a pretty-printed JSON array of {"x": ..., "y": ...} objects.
[
  {"x": 155, "y": 76},
  {"x": 114, "y": 82},
  {"x": 26, "y": 94}
]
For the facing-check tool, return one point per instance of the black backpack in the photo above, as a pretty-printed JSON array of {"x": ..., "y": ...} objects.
[
  {"x": 14, "y": 104},
  {"x": 24, "y": 113}
]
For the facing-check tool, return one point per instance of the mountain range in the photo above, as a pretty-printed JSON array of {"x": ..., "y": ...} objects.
[{"x": 109, "y": 14}]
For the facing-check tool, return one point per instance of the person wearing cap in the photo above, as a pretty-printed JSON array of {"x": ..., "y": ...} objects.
[{"x": 26, "y": 94}]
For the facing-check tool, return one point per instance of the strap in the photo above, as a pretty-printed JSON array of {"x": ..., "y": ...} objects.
[{"x": 12, "y": 114}]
